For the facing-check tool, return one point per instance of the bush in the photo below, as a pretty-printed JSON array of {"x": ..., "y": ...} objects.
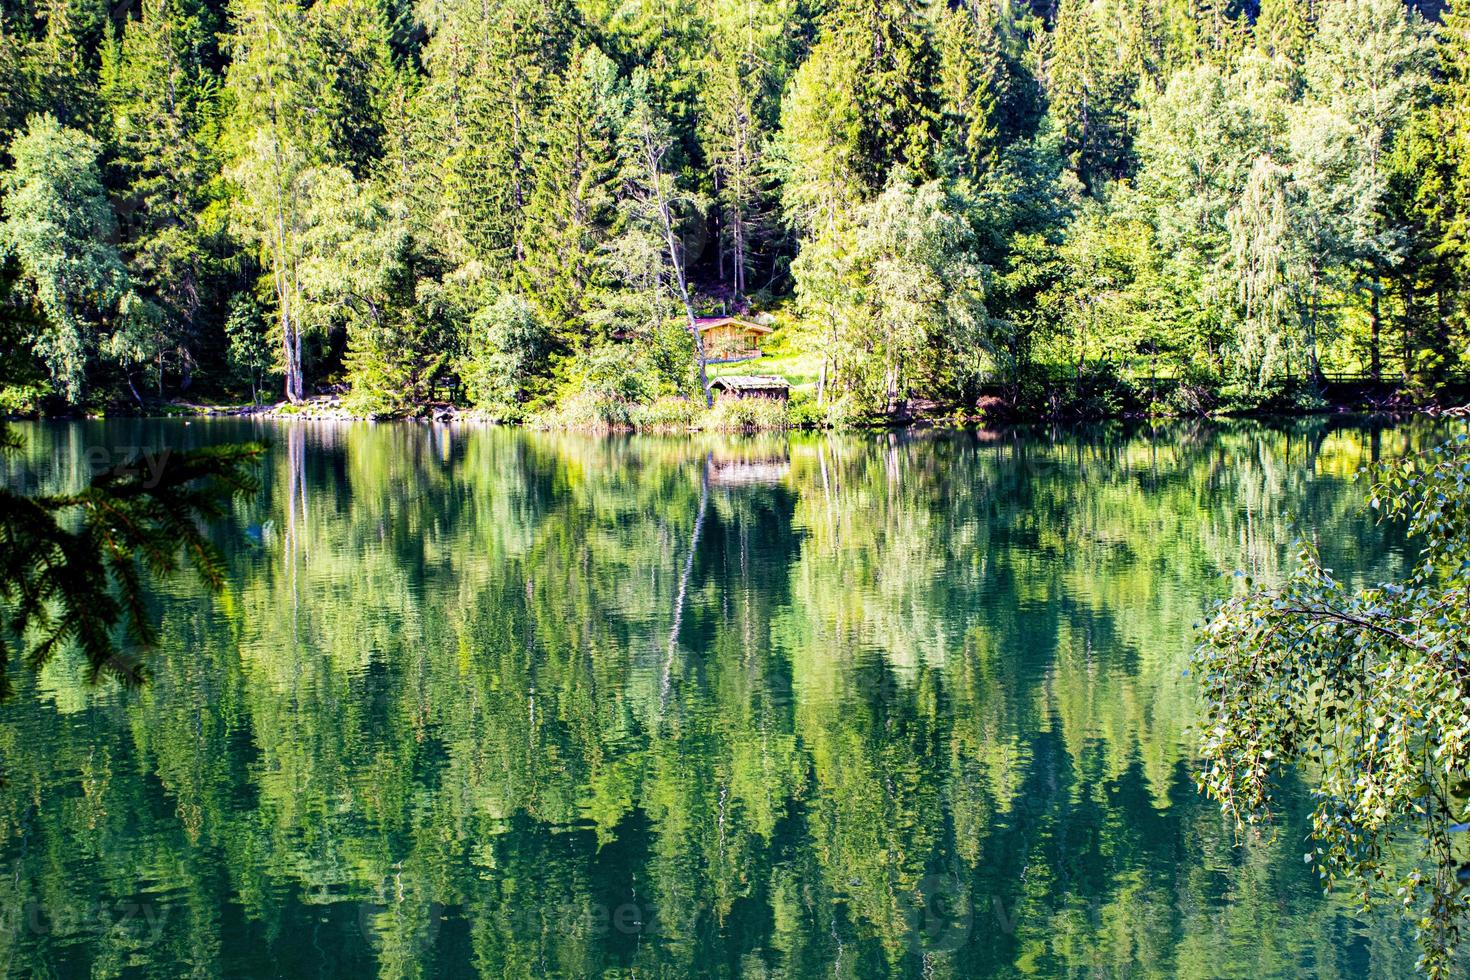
[
  {"x": 1197, "y": 393},
  {"x": 23, "y": 399},
  {"x": 668, "y": 413},
  {"x": 606, "y": 391},
  {"x": 1280, "y": 395},
  {"x": 1100, "y": 394},
  {"x": 509, "y": 345},
  {"x": 747, "y": 415},
  {"x": 803, "y": 412}
]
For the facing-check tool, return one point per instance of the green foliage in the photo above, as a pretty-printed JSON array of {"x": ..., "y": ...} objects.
[
  {"x": 165, "y": 120},
  {"x": 1364, "y": 686},
  {"x": 803, "y": 412},
  {"x": 251, "y": 352},
  {"x": 605, "y": 389},
  {"x": 1094, "y": 65},
  {"x": 669, "y": 413},
  {"x": 572, "y": 210},
  {"x": 509, "y": 345},
  {"x": 747, "y": 415},
  {"x": 890, "y": 50},
  {"x": 903, "y": 290},
  {"x": 60, "y": 227}
]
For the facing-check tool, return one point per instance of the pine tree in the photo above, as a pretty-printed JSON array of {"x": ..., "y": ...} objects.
[
  {"x": 572, "y": 208},
  {"x": 889, "y": 48},
  {"x": 353, "y": 37},
  {"x": 1451, "y": 134},
  {"x": 654, "y": 206},
  {"x": 971, "y": 76},
  {"x": 165, "y": 122},
  {"x": 816, "y": 151},
  {"x": 1428, "y": 186}
]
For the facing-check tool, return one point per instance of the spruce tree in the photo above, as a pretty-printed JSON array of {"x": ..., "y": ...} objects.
[
  {"x": 165, "y": 124},
  {"x": 971, "y": 76},
  {"x": 572, "y": 208},
  {"x": 490, "y": 73},
  {"x": 889, "y": 48},
  {"x": 1091, "y": 90}
]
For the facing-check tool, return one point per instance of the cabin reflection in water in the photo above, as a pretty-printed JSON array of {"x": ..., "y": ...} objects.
[{"x": 754, "y": 467}]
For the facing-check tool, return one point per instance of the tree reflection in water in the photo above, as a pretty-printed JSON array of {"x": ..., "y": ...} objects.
[{"x": 502, "y": 703}]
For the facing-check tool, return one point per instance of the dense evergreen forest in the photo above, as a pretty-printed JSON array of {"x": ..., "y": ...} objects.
[{"x": 1057, "y": 205}]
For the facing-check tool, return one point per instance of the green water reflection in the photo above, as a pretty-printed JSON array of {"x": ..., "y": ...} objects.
[{"x": 482, "y": 702}]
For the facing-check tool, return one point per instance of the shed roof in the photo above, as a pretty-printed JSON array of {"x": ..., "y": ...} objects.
[
  {"x": 749, "y": 382},
  {"x": 703, "y": 323}
]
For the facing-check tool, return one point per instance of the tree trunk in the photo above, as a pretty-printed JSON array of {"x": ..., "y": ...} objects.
[
  {"x": 666, "y": 217},
  {"x": 1375, "y": 328}
]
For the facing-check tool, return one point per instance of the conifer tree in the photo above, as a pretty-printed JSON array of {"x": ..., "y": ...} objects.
[
  {"x": 654, "y": 206},
  {"x": 889, "y": 48},
  {"x": 1283, "y": 30},
  {"x": 572, "y": 207},
  {"x": 165, "y": 121},
  {"x": 490, "y": 71},
  {"x": 971, "y": 76},
  {"x": 1091, "y": 91},
  {"x": 740, "y": 82}
]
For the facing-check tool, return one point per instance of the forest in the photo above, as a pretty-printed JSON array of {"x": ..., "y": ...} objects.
[{"x": 1055, "y": 207}]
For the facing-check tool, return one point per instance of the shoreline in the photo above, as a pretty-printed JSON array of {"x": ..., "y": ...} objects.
[{"x": 328, "y": 409}]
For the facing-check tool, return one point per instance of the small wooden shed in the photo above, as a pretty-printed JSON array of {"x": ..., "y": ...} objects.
[
  {"x": 751, "y": 386},
  {"x": 729, "y": 338}
]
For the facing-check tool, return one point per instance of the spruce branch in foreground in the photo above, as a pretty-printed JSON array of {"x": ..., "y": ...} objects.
[{"x": 72, "y": 566}]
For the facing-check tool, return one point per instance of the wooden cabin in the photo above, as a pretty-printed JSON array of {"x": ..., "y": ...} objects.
[
  {"x": 729, "y": 338},
  {"x": 751, "y": 386}
]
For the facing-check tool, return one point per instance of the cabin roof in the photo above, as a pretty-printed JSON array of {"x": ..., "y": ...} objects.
[
  {"x": 703, "y": 323},
  {"x": 749, "y": 382}
]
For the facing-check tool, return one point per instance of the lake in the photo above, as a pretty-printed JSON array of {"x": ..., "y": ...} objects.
[{"x": 479, "y": 701}]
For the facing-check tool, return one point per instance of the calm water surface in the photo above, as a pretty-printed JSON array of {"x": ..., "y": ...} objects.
[{"x": 483, "y": 702}]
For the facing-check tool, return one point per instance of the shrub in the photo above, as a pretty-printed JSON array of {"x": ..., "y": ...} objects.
[
  {"x": 1279, "y": 395},
  {"x": 509, "y": 345},
  {"x": 668, "y": 413},
  {"x": 747, "y": 415},
  {"x": 803, "y": 412},
  {"x": 606, "y": 390},
  {"x": 23, "y": 399},
  {"x": 1100, "y": 393},
  {"x": 1197, "y": 393}
]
